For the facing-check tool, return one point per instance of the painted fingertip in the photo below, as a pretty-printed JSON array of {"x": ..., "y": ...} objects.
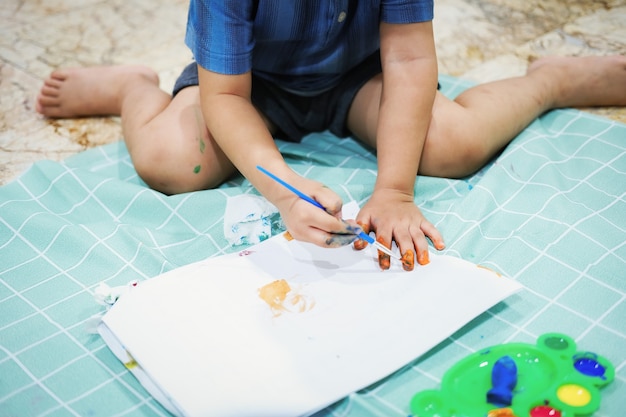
[
  {"x": 359, "y": 244},
  {"x": 384, "y": 260},
  {"x": 422, "y": 257},
  {"x": 408, "y": 260}
]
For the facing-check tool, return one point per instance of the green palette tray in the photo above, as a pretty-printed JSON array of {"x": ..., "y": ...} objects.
[{"x": 553, "y": 380}]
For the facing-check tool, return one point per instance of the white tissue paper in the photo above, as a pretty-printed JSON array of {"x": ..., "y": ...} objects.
[{"x": 250, "y": 219}]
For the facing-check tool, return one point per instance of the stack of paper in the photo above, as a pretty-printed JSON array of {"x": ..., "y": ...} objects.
[{"x": 286, "y": 328}]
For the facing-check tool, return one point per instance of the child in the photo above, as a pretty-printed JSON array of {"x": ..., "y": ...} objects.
[{"x": 361, "y": 68}]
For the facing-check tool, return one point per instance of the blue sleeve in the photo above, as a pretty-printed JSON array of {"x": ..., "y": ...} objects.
[
  {"x": 406, "y": 11},
  {"x": 219, "y": 34}
]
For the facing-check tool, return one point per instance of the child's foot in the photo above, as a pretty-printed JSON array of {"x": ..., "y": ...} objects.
[
  {"x": 584, "y": 81},
  {"x": 92, "y": 91}
]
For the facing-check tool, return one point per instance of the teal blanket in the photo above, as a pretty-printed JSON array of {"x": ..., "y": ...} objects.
[{"x": 549, "y": 212}]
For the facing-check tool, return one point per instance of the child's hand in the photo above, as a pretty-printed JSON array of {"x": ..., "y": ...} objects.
[
  {"x": 394, "y": 216},
  {"x": 309, "y": 223}
]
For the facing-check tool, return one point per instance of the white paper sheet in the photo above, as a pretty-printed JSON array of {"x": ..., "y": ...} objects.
[{"x": 207, "y": 345}]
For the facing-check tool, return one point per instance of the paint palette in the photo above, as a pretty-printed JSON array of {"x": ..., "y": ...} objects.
[{"x": 552, "y": 379}]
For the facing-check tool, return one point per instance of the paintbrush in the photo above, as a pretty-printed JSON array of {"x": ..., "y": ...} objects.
[{"x": 308, "y": 199}]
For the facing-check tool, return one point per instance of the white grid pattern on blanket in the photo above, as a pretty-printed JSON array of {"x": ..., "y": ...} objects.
[{"x": 508, "y": 217}]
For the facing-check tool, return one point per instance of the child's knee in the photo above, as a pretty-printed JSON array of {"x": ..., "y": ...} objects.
[
  {"x": 169, "y": 170},
  {"x": 454, "y": 155}
]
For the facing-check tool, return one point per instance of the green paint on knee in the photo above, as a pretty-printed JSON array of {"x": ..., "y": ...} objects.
[{"x": 196, "y": 169}]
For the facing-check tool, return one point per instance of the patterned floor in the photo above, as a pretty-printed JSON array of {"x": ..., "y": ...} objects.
[{"x": 481, "y": 40}]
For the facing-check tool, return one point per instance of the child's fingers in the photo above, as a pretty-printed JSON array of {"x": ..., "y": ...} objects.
[
  {"x": 335, "y": 240},
  {"x": 408, "y": 260},
  {"x": 423, "y": 257},
  {"x": 384, "y": 260},
  {"x": 431, "y": 231},
  {"x": 360, "y": 244},
  {"x": 329, "y": 199}
]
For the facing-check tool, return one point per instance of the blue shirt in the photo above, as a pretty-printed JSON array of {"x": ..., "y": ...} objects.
[{"x": 300, "y": 45}]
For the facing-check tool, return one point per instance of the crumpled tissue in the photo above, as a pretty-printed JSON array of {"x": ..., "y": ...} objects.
[
  {"x": 250, "y": 219},
  {"x": 106, "y": 296}
]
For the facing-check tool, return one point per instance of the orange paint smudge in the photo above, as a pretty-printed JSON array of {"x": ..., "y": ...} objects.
[
  {"x": 300, "y": 303},
  {"x": 490, "y": 270},
  {"x": 280, "y": 298},
  {"x": 274, "y": 294},
  {"x": 408, "y": 260},
  {"x": 501, "y": 412}
]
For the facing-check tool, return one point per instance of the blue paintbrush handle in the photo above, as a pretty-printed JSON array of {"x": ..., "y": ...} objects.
[
  {"x": 291, "y": 188},
  {"x": 378, "y": 245},
  {"x": 305, "y": 197}
]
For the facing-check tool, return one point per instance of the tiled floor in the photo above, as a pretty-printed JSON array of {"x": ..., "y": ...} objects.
[{"x": 478, "y": 39}]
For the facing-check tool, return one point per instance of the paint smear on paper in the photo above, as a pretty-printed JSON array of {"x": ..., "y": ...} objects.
[
  {"x": 490, "y": 270},
  {"x": 280, "y": 298},
  {"x": 131, "y": 363}
]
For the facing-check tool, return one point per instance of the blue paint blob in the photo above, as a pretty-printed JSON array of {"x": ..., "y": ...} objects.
[
  {"x": 589, "y": 366},
  {"x": 503, "y": 381}
]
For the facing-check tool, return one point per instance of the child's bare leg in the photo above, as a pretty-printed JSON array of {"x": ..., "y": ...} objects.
[
  {"x": 166, "y": 138},
  {"x": 492, "y": 114},
  {"x": 465, "y": 133},
  {"x": 94, "y": 91},
  {"x": 585, "y": 81}
]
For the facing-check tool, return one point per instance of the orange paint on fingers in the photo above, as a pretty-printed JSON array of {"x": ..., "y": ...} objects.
[
  {"x": 361, "y": 244},
  {"x": 408, "y": 260},
  {"x": 384, "y": 260},
  {"x": 422, "y": 257}
]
